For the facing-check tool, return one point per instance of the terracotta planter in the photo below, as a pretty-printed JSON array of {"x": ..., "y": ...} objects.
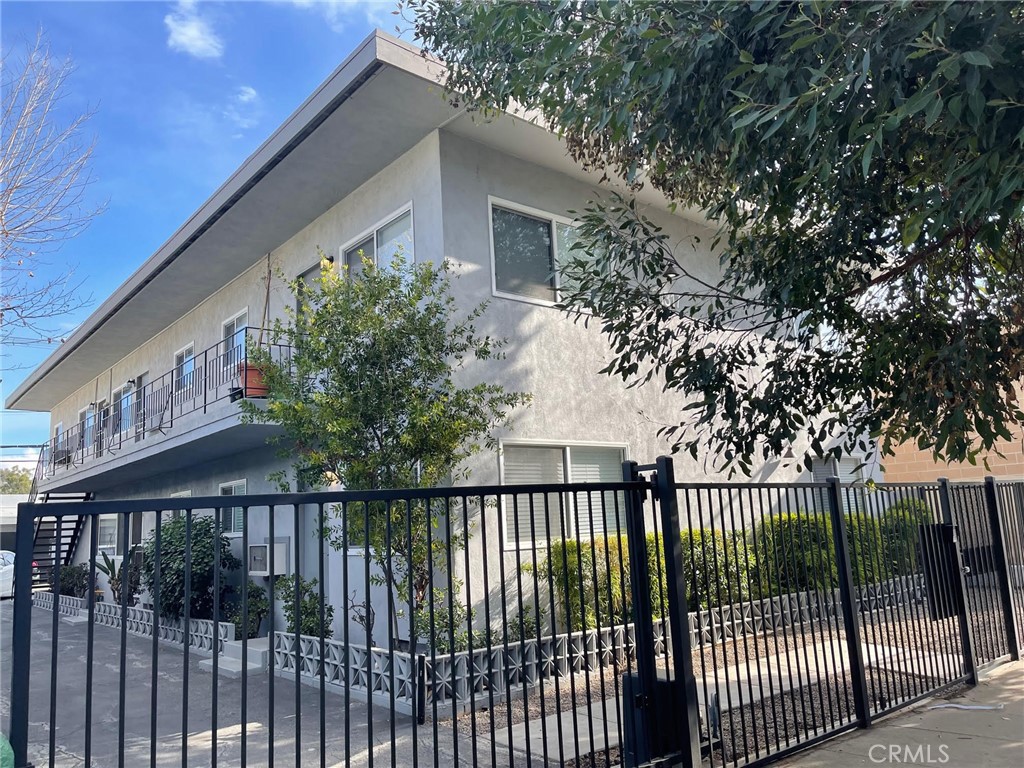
[{"x": 252, "y": 380}]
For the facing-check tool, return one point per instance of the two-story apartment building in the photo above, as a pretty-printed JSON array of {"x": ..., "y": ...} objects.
[{"x": 143, "y": 396}]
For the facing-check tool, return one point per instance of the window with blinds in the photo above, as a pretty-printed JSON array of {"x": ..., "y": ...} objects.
[
  {"x": 849, "y": 471},
  {"x": 231, "y": 517},
  {"x": 538, "y": 518}
]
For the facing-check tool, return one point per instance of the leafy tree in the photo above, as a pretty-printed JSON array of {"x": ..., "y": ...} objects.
[
  {"x": 368, "y": 399},
  {"x": 15, "y": 480},
  {"x": 861, "y": 165}
]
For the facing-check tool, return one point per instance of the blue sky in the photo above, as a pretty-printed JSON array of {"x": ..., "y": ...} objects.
[{"x": 181, "y": 93}]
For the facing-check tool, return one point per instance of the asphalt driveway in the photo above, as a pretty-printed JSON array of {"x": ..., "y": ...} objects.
[{"x": 362, "y": 738}]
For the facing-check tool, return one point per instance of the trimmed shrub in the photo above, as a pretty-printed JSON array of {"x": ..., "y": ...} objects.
[
  {"x": 899, "y": 528},
  {"x": 867, "y": 556},
  {"x": 591, "y": 579},
  {"x": 173, "y": 546},
  {"x": 258, "y": 609},
  {"x": 716, "y": 566},
  {"x": 795, "y": 553},
  {"x": 74, "y": 580},
  {"x": 308, "y": 620}
]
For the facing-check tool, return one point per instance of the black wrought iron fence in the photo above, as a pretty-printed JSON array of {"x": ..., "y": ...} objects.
[{"x": 570, "y": 624}]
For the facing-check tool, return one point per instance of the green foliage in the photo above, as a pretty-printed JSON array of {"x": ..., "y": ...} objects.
[
  {"x": 129, "y": 572},
  {"x": 716, "y": 566},
  {"x": 309, "y": 607},
  {"x": 368, "y": 399},
  {"x": 795, "y": 552},
  {"x": 258, "y": 608},
  {"x": 445, "y": 629},
  {"x": 592, "y": 581},
  {"x": 201, "y": 548},
  {"x": 900, "y": 533},
  {"x": 74, "y": 580},
  {"x": 861, "y": 167},
  {"x": 15, "y": 480},
  {"x": 867, "y": 558}
]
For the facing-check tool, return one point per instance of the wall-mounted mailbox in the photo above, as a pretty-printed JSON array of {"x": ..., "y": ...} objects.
[{"x": 259, "y": 559}]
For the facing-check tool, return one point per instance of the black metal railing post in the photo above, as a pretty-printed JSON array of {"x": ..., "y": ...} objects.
[
  {"x": 1002, "y": 566},
  {"x": 966, "y": 633},
  {"x": 678, "y": 608},
  {"x": 21, "y": 641},
  {"x": 848, "y": 603},
  {"x": 640, "y": 723}
]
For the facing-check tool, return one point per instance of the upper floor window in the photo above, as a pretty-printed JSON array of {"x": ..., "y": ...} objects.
[
  {"x": 527, "y": 246},
  {"x": 184, "y": 367},
  {"x": 553, "y": 516},
  {"x": 233, "y": 338},
  {"x": 381, "y": 244},
  {"x": 122, "y": 408}
]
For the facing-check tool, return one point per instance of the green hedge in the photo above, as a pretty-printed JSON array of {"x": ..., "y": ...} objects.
[
  {"x": 900, "y": 535},
  {"x": 867, "y": 557},
  {"x": 795, "y": 553},
  {"x": 591, "y": 579}
]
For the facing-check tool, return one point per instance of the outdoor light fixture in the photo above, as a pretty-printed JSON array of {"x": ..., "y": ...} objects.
[{"x": 236, "y": 394}]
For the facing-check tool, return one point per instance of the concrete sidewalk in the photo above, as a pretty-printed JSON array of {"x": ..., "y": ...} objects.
[{"x": 953, "y": 738}]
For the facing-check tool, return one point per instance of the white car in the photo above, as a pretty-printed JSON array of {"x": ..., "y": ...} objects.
[{"x": 6, "y": 573}]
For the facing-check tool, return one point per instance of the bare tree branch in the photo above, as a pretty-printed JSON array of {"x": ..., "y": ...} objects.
[{"x": 44, "y": 173}]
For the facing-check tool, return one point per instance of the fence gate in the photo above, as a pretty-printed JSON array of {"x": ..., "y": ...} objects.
[{"x": 640, "y": 621}]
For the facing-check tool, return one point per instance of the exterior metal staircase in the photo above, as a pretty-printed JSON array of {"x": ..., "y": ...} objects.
[{"x": 51, "y": 546}]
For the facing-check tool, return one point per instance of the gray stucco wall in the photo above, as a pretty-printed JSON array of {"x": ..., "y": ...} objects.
[{"x": 448, "y": 180}]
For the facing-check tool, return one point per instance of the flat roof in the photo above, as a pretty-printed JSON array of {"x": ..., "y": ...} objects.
[
  {"x": 376, "y": 105},
  {"x": 379, "y": 103}
]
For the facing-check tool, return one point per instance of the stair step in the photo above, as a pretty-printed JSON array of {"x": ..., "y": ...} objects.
[
  {"x": 231, "y": 668},
  {"x": 258, "y": 650}
]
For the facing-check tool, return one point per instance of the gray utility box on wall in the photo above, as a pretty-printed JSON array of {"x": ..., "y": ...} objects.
[{"x": 259, "y": 559}]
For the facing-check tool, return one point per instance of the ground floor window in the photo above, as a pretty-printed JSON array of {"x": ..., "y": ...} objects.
[
  {"x": 536, "y": 518},
  {"x": 106, "y": 540},
  {"x": 231, "y": 517}
]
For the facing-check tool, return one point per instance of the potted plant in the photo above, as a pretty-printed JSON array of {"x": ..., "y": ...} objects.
[
  {"x": 251, "y": 375},
  {"x": 127, "y": 575}
]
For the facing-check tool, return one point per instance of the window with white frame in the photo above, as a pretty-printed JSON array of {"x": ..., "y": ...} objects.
[
  {"x": 232, "y": 336},
  {"x": 231, "y": 517},
  {"x": 382, "y": 244},
  {"x": 307, "y": 284},
  {"x": 106, "y": 534},
  {"x": 122, "y": 409},
  {"x": 184, "y": 368},
  {"x": 86, "y": 427},
  {"x": 540, "y": 518},
  {"x": 527, "y": 247}
]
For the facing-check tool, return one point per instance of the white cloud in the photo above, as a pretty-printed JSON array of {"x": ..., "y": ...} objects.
[
  {"x": 245, "y": 108},
  {"x": 340, "y": 13},
  {"x": 247, "y": 94},
  {"x": 188, "y": 32}
]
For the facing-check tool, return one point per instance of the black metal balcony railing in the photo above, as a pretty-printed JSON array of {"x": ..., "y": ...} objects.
[{"x": 221, "y": 372}]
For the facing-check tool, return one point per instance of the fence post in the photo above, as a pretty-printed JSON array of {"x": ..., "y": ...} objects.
[
  {"x": 848, "y": 603},
  {"x": 638, "y": 710},
  {"x": 966, "y": 635},
  {"x": 1002, "y": 566},
  {"x": 21, "y": 642},
  {"x": 678, "y": 611}
]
